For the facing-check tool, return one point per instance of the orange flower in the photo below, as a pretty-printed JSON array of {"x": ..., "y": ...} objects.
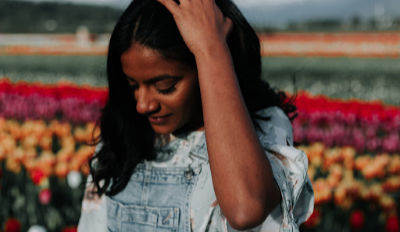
[
  {"x": 85, "y": 169},
  {"x": 339, "y": 195},
  {"x": 374, "y": 192},
  {"x": 8, "y": 143},
  {"x": 14, "y": 129},
  {"x": 61, "y": 169},
  {"x": 353, "y": 187},
  {"x": 2, "y": 153},
  {"x": 394, "y": 166},
  {"x": 29, "y": 164},
  {"x": 80, "y": 134},
  {"x": 322, "y": 191},
  {"x": 46, "y": 141},
  {"x": 13, "y": 165},
  {"x": 348, "y": 153},
  {"x": 331, "y": 156},
  {"x": 382, "y": 160},
  {"x": 311, "y": 172},
  {"x": 314, "y": 153},
  {"x": 362, "y": 161},
  {"x": 30, "y": 141},
  {"x": 45, "y": 162},
  {"x": 387, "y": 203},
  {"x": 61, "y": 129},
  {"x": 64, "y": 154},
  {"x": 392, "y": 184},
  {"x": 332, "y": 181},
  {"x": 2, "y": 124}
]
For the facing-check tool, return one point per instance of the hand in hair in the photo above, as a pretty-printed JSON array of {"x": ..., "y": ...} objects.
[
  {"x": 200, "y": 22},
  {"x": 241, "y": 173}
]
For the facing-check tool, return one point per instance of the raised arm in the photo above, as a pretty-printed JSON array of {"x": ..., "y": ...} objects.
[{"x": 242, "y": 176}]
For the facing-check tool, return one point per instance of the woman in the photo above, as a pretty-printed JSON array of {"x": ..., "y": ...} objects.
[{"x": 191, "y": 138}]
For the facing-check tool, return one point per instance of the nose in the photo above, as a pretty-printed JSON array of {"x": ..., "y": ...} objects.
[{"x": 145, "y": 102}]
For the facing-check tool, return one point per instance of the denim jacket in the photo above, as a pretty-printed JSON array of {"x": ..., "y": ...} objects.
[{"x": 175, "y": 191}]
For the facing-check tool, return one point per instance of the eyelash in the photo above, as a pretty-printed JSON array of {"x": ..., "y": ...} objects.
[{"x": 166, "y": 91}]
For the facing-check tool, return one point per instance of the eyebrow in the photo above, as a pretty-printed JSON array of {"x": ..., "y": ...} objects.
[{"x": 158, "y": 78}]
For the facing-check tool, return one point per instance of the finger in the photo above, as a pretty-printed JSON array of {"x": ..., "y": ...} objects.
[{"x": 171, "y": 5}]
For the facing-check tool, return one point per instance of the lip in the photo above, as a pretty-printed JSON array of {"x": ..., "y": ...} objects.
[{"x": 159, "y": 119}]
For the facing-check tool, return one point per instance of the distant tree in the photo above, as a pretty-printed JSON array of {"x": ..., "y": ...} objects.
[
  {"x": 45, "y": 17},
  {"x": 355, "y": 22},
  {"x": 265, "y": 29},
  {"x": 372, "y": 24},
  {"x": 323, "y": 24},
  {"x": 292, "y": 26},
  {"x": 396, "y": 22}
]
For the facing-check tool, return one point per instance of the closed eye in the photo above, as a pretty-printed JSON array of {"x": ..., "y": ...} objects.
[
  {"x": 167, "y": 90},
  {"x": 166, "y": 86},
  {"x": 163, "y": 84}
]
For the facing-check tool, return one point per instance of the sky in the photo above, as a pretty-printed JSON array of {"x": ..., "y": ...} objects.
[{"x": 242, "y": 3}]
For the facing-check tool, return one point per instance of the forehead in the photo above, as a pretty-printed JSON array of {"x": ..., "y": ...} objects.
[{"x": 141, "y": 63}]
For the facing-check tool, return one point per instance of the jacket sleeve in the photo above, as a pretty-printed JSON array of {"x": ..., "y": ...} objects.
[
  {"x": 93, "y": 211},
  {"x": 289, "y": 166},
  {"x": 93, "y": 216}
]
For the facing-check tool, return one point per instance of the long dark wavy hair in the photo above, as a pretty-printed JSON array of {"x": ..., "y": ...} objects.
[{"x": 126, "y": 136}]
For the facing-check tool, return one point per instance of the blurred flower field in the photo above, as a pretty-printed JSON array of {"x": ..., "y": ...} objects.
[{"x": 46, "y": 131}]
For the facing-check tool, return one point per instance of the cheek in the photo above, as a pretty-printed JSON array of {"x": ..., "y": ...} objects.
[
  {"x": 192, "y": 103},
  {"x": 185, "y": 101},
  {"x": 182, "y": 102}
]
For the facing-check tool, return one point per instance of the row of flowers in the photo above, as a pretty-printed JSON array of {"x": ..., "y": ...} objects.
[
  {"x": 48, "y": 148},
  {"x": 65, "y": 101},
  {"x": 54, "y": 155},
  {"x": 362, "y": 187},
  {"x": 43, "y": 167},
  {"x": 367, "y": 126},
  {"x": 340, "y": 174},
  {"x": 45, "y": 132}
]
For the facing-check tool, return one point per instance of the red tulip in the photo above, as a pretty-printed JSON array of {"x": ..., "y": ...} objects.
[
  {"x": 70, "y": 229},
  {"x": 37, "y": 176},
  {"x": 357, "y": 220},
  {"x": 313, "y": 220},
  {"x": 392, "y": 224},
  {"x": 12, "y": 225}
]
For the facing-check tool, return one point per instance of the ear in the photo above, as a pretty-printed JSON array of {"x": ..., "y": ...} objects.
[{"x": 228, "y": 26}]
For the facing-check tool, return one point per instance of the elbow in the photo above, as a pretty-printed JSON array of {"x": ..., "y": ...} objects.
[{"x": 248, "y": 217}]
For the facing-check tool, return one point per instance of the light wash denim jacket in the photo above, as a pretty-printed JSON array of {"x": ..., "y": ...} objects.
[{"x": 175, "y": 192}]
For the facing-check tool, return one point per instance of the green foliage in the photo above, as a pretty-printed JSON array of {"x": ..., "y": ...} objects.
[
  {"x": 345, "y": 78},
  {"x": 364, "y": 78},
  {"x": 20, "y": 198},
  {"x": 49, "y": 69},
  {"x": 45, "y": 17}
]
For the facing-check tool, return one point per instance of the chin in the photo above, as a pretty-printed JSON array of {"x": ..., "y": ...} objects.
[{"x": 163, "y": 130}]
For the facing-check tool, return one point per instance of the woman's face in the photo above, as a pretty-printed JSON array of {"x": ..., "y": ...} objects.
[{"x": 165, "y": 90}]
